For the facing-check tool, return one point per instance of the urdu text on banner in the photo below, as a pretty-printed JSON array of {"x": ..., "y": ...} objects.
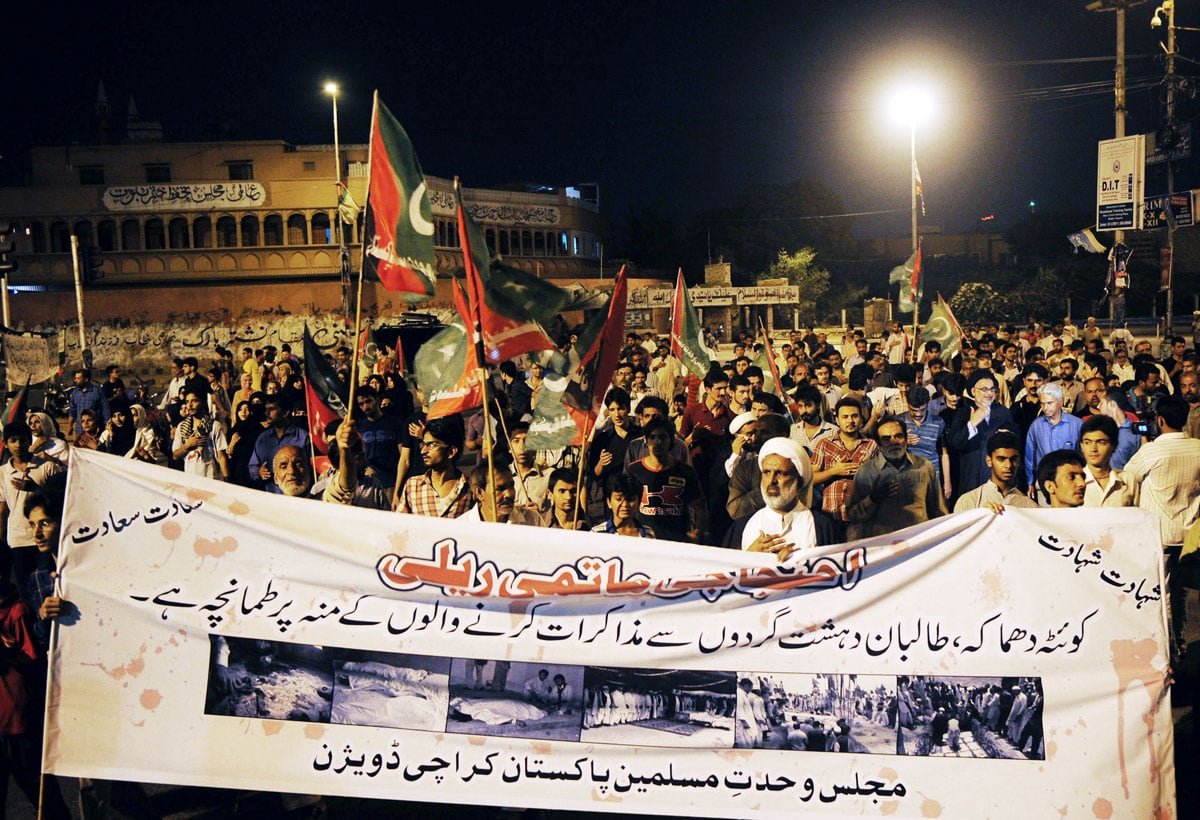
[{"x": 976, "y": 666}]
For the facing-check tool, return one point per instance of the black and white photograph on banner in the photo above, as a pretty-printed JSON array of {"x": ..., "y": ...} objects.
[
  {"x": 992, "y": 717},
  {"x": 269, "y": 679},
  {"x": 659, "y": 707},
  {"x": 515, "y": 699},
  {"x": 815, "y": 713},
  {"x": 386, "y": 689}
]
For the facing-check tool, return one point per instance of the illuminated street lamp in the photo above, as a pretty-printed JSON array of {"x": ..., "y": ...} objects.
[
  {"x": 331, "y": 88},
  {"x": 913, "y": 105}
]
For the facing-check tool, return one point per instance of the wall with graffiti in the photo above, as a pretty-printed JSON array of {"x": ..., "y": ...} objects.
[{"x": 142, "y": 331}]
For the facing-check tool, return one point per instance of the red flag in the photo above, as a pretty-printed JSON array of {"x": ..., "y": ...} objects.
[
  {"x": 398, "y": 226},
  {"x": 793, "y": 408},
  {"x": 447, "y": 367},
  {"x": 916, "y": 276},
  {"x": 598, "y": 350},
  {"x": 319, "y": 415},
  {"x": 504, "y": 337},
  {"x": 687, "y": 335},
  {"x": 17, "y": 406},
  {"x": 399, "y": 356}
]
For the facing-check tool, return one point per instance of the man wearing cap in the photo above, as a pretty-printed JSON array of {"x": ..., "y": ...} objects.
[
  {"x": 744, "y": 494},
  {"x": 785, "y": 526}
]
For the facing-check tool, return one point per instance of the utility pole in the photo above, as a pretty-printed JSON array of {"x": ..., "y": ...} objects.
[
  {"x": 1119, "y": 110},
  {"x": 1169, "y": 7}
]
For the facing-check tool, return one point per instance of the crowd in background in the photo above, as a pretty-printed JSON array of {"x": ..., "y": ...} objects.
[{"x": 821, "y": 444}]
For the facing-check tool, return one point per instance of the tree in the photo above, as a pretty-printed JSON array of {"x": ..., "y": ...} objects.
[
  {"x": 799, "y": 270},
  {"x": 978, "y": 302}
]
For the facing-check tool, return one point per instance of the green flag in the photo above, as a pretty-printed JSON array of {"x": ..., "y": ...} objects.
[
  {"x": 552, "y": 426},
  {"x": 398, "y": 227},
  {"x": 911, "y": 282},
  {"x": 687, "y": 335},
  {"x": 941, "y": 327}
]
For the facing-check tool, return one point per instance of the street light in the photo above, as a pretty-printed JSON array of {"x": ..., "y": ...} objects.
[
  {"x": 331, "y": 88},
  {"x": 913, "y": 104}
]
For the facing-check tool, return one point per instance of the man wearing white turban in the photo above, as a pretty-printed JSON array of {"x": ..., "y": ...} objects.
[{"x": 785, "y": 526}]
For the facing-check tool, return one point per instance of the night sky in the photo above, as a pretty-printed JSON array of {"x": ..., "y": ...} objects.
[{"x": 674, "y": 104}]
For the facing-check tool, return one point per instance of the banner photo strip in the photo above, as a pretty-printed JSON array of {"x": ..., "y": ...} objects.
[{"x": 976, "y": 666}]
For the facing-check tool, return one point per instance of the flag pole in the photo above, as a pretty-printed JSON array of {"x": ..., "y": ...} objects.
[
  {"x": 516, "y": 472},
  {"x": 916, "y": 243},
  {"x": 344, "y": 256},
  {"x": 583, "y": 448},
  {"x": 473, "y": 304}
]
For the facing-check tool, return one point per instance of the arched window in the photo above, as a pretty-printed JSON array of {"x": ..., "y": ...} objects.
[
  {"x": 322, "y": 233},
  {"x": 106, "y": 235},
  {"x": 156, "y": 238},
  {"x": 131, "y": 235},
  {"x": 37, "y": 237},
  {"x": 202, "y": 233},
  {"x": 297, "y": 230},
  {"x": 83, "y": 229},
  {"x": 273, "y": 230},
  {"x": 515, "y": 243},
  {"x": 60, "y": 238},
  {"x": 503, "y": 249},
  {"x": 526, "y": 243},
  {"x": 489, "y": 236},
  {"x": 250, "y": 231},
  {"x": 539, "y": 243},
  {"x": 226, "y": 232},
  {"x": 177, "y": 233}
]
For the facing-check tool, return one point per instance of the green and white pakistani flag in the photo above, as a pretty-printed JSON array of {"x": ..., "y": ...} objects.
[
  {"x": 552, "y": 425},
  {"x": 911, "y": 282},
  {"x": 347, "y": 206},
  {"x": 943, "y": 328},
  {"x": 687, "y": 334}
]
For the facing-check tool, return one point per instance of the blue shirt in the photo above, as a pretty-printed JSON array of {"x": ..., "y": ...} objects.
[
  {"x": 91, "y": 398},
  {"x": 1044, "y": 437},
  {"x": 930, "y": 434},
  {"x": 265, "y": 448},
  {"x": 1128, "y": 443}
]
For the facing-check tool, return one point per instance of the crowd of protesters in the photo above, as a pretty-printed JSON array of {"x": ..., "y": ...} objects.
[{"x": 825, "y": 444}]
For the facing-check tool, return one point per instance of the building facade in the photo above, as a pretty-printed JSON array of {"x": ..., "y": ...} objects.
[{"x": 171, "y": 219}]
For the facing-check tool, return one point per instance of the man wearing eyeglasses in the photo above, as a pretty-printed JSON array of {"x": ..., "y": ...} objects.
[
  {"x": 971, "y": 432},
  {"x": 895, "y": 489},
  {"x": 441, "y": 491}
]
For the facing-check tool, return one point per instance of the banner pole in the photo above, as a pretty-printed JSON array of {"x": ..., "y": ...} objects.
[{"x": 83, "y": 348}]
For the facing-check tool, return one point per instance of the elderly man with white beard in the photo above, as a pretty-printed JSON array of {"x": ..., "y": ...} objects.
[{"x": 785, "y": 526}]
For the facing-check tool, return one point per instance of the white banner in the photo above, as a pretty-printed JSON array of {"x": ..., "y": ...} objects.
[
  {"x": 31, "y": 357},
  {"x": 1120, "y": 180},
  {"x": 979, "y": 666},
  {"x": 170, "y": 197}
]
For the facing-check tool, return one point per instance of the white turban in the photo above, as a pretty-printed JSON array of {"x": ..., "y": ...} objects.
[
  {"x": 793, "y": 452},
  {"x": 740, "y": 421}
]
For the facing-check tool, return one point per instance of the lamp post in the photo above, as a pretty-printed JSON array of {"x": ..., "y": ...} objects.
[
  {"x": 331, "y": 88},
  {"x": 912, "y": 105}
]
